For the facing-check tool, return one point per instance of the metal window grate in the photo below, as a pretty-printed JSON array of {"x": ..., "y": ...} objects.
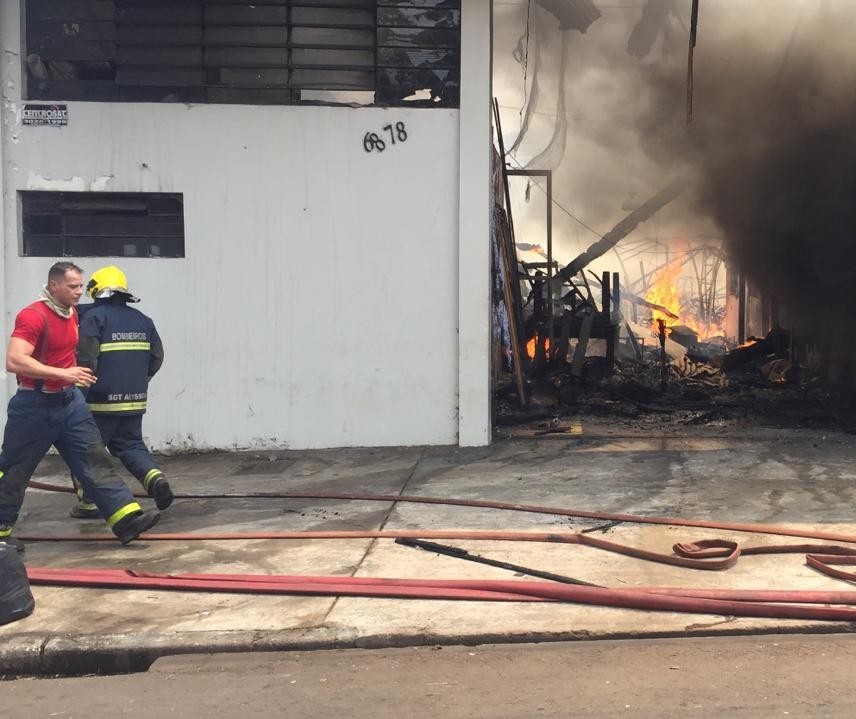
[
  {"x": 260, "y": 52},
  {"x": 102, "y": 224}
]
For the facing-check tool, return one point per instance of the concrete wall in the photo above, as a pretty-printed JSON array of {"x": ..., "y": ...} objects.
[
  {"x": 323, "y": 287},
  {"x": 476, "y": 143}
]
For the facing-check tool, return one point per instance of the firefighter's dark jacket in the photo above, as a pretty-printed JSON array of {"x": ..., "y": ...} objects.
[{"x": 123, "y": 349}]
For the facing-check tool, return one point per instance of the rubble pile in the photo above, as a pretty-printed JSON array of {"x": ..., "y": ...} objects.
[{"x": 754, "y": 385}]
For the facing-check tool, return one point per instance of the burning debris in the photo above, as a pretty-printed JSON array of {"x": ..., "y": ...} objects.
[
  {"x": 748, "y": 308},
  {"x": 658, "y": 345}
]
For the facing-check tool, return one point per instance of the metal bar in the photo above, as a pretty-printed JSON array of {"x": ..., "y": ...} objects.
[
  {"x": 459, "y": 553},
  {"x": 692, "y": 44},
  {"x": 605, "y": 296},
  {"x": 741, "y": 308},
  {"x": 551, "y": 326},
  {"x": 661, "y": 334}
]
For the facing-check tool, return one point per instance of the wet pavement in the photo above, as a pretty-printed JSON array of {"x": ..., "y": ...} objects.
[{"x": 796, "y": 477}]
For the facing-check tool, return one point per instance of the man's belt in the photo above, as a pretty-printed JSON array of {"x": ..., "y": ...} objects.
[{"x": 52, "y": 397}]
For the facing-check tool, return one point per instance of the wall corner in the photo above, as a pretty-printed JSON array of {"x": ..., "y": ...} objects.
[{"x": 474, "y": 333}]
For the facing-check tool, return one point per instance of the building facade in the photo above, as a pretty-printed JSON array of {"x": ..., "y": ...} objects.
[{"x": 318, "y": 270}]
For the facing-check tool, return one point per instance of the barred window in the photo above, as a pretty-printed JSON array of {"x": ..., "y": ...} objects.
[
  {"x": 384, "y": 52},
  {"x": 102, "y": 224}
]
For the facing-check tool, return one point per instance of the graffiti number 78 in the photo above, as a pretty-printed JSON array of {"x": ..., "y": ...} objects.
[{"x": 372, "y": 142}]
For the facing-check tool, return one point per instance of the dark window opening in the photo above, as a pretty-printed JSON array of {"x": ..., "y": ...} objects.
[
  {"x": 102, "y": 224},
  {"x": 391, "y": 52}
]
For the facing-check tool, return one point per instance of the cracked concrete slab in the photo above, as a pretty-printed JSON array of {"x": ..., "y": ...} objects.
[{"x": 795, "y": 477}]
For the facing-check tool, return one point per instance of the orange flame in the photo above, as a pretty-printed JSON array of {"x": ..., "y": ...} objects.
[
  {"x": 531, "y": 345},
  {"x": 664, "y": 292}
]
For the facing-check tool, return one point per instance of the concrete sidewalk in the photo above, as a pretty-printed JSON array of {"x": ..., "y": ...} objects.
[{"x": 793, "y": 477}]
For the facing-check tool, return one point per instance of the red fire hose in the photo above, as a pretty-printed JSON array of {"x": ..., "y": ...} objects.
[
  {"x": 780, "y": 606},
  {"x": 705, "y": 554},
  {"x": 508, "y": 506},
  {"x": 710, "y": 554}
]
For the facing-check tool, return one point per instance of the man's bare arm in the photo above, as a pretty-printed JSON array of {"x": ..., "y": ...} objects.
[{"x": 20, "y": 360}]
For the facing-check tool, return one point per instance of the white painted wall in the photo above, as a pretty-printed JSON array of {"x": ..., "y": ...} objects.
[
  {"x": 474, "y": 224},
  {"x": 318, "y": 304}
]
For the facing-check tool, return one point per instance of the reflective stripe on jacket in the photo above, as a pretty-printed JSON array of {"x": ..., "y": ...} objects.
[{"x": 122, "y": 347}]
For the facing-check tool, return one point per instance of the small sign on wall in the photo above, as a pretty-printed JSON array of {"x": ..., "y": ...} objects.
[{"x": 52, "y": 115}]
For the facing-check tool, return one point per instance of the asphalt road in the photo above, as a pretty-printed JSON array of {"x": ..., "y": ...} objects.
[{"x": 749, "y": 676}]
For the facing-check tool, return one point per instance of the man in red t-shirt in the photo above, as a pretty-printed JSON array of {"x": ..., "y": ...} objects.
[{"x": 49, "y": 410}]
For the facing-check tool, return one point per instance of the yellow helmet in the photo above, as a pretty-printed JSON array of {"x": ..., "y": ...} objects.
[{"x": 109, "y": 281}]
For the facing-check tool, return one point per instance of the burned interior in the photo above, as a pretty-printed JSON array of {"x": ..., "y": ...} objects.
[
  {"x": 381, "y": 52},
  {"x": 673, "y": 221}
]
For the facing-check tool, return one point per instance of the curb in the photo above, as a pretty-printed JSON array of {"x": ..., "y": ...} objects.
[{"x": 66, "y": 655}]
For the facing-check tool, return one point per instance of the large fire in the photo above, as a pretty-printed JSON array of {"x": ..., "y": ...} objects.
[{"x": 664, "y": 291}]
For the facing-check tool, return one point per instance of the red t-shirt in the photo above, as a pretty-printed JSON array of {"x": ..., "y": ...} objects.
[{"x": 54, "y": 339}]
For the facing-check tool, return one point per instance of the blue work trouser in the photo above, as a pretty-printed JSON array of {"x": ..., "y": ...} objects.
[
  {"x": 123, "y": 436},
  {"x": 35, "y": 421}
]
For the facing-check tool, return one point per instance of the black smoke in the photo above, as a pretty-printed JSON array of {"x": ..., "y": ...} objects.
[{"x": 772, "y": 144}]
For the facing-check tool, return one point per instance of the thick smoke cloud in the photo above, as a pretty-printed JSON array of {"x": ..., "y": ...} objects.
[
  {"x": 772, "y": 143},
  {"x": 771, "y": 147},
  {"x": 605, "y": 171}
]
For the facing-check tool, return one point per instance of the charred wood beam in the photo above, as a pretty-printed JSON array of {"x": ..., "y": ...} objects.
[
  {"x": 614, "y": 317},
  {"x": 605, "y": 295},
  {"x": 623, "y": 228},
  {"x": 511, "y": 283},
  {"x": 582, "y": 343},
  {"x": 513, "y": 304},
  {"x": 616, "y": 294},
  {"x": 564, "y": 337},
  {"x": 619, "y": 317}
]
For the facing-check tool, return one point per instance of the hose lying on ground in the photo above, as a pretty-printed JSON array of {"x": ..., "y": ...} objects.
[
  {"x": 783, "y": 605},
  {"x": 705, "y": 554},
  {"x": 508, "y": 506}
]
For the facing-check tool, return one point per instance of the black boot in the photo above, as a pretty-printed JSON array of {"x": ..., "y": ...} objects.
[
  {"x": 84, "y": 510},
  {"x": 158, "y": 488},
  {"x": 160, "y": 491},
  {"x": 133, "y": 525},
  {"x": 12, "y": 542}
]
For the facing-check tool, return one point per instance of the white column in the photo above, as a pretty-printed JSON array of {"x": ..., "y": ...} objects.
[
  {"x": 9, "y": 94},
  {"x": 474, "y": 390}
]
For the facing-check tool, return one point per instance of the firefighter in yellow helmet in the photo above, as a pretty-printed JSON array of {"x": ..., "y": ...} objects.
[
  {"x": 49, "y": 409},
  {"x": 123, "y": 349}
]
